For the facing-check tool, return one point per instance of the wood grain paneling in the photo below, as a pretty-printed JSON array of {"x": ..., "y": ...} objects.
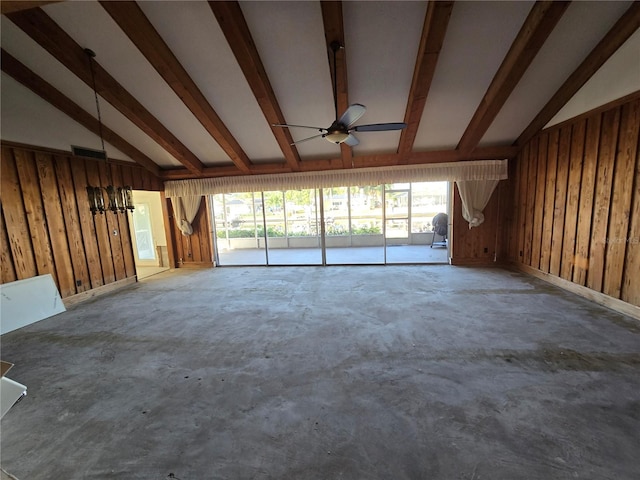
[
  {"x": 68, "y": 201},
  {"x": 562, "y": 174},
  {"x": 7, "y": 272},
  {"x": 193, "y": 250},
  {"x": 47, "y": 226},
  {"x": 536, "y": 240},
  {"x": 16, "y": 218},
  {"x": 590, "y": 211},
  {"x": 621, "y": 197},
  {"x": 479, "y": 245},
  {"x": 600, "y": 222},
  {"x": 32, "y": 198},
  {"x": 573, "y": 198},
  {"x": 55, "y": 224},
  {"x": 549, "y": 201},
  {"x": 585, "y": 208}
]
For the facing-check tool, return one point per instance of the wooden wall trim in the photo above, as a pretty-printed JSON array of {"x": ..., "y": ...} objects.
[{"x": 597, "y": 297}]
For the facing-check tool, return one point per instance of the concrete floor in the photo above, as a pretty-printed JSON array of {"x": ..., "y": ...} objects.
[{"x": 391, "y": 372}]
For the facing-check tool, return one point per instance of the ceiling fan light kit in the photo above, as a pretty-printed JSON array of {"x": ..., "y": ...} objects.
[{"x": 340, "y": 130}]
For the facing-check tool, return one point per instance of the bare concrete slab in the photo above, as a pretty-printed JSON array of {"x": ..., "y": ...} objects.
[{"x": 385, "y": 372}]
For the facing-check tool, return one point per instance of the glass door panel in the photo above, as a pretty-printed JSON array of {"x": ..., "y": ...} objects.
[
  {"x": 397, "y": 211},
  {"x": 143, "y": 238},
  {"x": 353, "y": 225},
  {"x": 293, "y": 219},
  {"x": 239, "y": 229}
]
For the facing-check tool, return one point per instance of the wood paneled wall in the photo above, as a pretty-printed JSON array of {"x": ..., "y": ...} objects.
[
  {"x": 575, "y": 190},
  {"x": 46, "y": 225},
  {"x": 194, "y": 250},
  {"x": 484, "y": 244}
]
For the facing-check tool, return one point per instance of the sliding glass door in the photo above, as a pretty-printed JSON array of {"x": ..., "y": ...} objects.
[
  {"x": 353, "y": 225},
  {"x": 293, "y": 236},
  {"x": 333, "y": 226},
  {"x": 239, "y": 229}
]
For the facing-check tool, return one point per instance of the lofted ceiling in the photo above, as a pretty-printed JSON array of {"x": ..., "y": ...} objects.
[{"x": 192, "y": 88}]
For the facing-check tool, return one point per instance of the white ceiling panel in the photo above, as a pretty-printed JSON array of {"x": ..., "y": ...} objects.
[
  {"x": 19, "y": 45},
  {"x": 623, "y": 66},
  {"x": 477, "y": 40},
  {"x": 382, "y": 40},
  {"x": 28, "y": 119},
  {"x": 579, "y": 30},
  {"x": 290, "y": 39},
  {"x": 381, "y": 44},
  {"x": 115, "y": 52},
  {"x": 207, "y": 58}
]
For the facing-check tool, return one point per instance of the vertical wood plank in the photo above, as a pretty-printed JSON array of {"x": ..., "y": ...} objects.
[
  {"x": 87, "y": 226},
  {"x": 587, "y": 190},
  {"x": 523, "y": 167},
  {"x": 606, "y": 163},
  {"x": 630, "y": 283},
  {"x": 16, "y": 218},
  {"x": 168, "y": 230},
  {"x": 205, "y": 236},
  {"x": 7, "y": 271},
  {"x": 573, "y": 199},
  {"x": 561, "y": 200},
  {"x": 123, "y": 225},
  {"x": 127, "y": 176},
  {"x": 622, "y": 194},
  {"x": 538, "y": 214},
  {"x": 511, "y": 206},
  {"x": 102, "y": 231},
  {"x": 68, "y": 200},
  {"x": 549, "y": 200},
  {"x": 32, "y": 198},
  {"x": 531, "y": 201},
  {"x": 113, "y": 227},
  {"x": 55, "y": 223}
]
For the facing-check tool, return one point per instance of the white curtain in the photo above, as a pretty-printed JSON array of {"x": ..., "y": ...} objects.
[
  {"x": 475, "y": 195},
  {"x": 433, "y": 172},
  {"x": 185, "y": 210}
]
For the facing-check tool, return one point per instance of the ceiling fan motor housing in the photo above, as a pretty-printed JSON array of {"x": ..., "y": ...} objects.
[{"x": 337, "y": 133}]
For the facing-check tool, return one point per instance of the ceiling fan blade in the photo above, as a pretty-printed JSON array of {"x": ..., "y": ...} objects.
[
  {"x": 286, "y": 125},
  {"x": 308, "y": 138},
  {"x": 351, "y": 140},
  {"x": 379, "y": 127},
  {"x": 352, "y": 114}
]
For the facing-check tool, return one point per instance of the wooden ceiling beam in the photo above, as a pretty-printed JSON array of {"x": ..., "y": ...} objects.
[
  {"x": 364, "y": 161},
  {"x": 44, "y": 31},
  {"x": 334, "y": 36},
  {"x": 133, "y": 22},
  {"x": 10, "y": 6},
  {"x": 626, "y": 26},
  {"x": 537, "y": 27},
  {"x": 236, "y": 31},
  {"x": 433, "y": 32},
  {"x": 36, "y": 84}
]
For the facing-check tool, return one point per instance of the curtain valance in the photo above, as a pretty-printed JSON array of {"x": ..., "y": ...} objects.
[{"x": 433, "y": 172}]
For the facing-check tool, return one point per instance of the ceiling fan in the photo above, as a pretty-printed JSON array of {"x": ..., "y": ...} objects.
[{"x": 340, "y": 130}]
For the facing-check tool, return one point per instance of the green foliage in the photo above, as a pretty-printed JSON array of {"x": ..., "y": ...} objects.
[
  {"x": 366, "y": 231},
  {"x": 250, "y": 233}
]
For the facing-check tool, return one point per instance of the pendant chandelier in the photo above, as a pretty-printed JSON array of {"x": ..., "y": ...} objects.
[{"x": 120, "y": 199}]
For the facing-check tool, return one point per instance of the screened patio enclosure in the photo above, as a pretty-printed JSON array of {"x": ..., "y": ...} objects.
[{"x": 380, "y": 224}]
